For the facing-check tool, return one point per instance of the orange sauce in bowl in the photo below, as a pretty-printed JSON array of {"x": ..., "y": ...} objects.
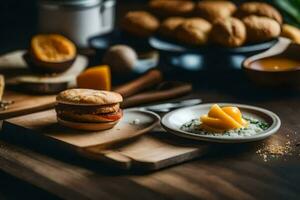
[{"x": 276, "y": 63}]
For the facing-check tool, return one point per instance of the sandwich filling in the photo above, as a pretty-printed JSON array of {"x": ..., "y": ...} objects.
[{"x": 92, "y": 114}]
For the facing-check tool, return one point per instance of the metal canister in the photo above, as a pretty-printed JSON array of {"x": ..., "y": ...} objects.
[{"x": 76, "y": 19}]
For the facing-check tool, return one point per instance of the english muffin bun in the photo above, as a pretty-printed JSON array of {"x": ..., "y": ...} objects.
[
  {"x": 88, "y": 97},
  {"x": 259, "y": 9},
  {"x": 168, "y": 8},
  {"x": 229, "y": 32},
  {"x": 169, "y": 25},
  {"x": 261, "y": 28},
  {"x": 140, "y": 23},
  {"x": 88, "y": 109},
  {"x": 214, "y": 10},
  {"x": 193, "y": 31}
]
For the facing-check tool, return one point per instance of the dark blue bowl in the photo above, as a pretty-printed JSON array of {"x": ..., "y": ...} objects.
[
  {"x": 206, "y": 57},
  {"x": 171, "y": 46}
]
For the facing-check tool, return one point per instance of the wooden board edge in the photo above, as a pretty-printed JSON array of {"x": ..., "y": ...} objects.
[
  {"x": 111, "y": 158},
  {"x": 143, "y": 165}
]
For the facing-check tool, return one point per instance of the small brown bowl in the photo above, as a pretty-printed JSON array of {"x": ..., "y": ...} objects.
[
  {"x": 46, "y": 67},
  {"x": 290, "y": 78}
]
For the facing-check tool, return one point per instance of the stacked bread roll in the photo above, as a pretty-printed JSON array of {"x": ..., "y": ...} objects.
[{"x": 207, "y": 21}]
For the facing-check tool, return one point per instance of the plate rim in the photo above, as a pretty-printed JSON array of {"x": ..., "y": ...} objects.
[{"x": 219, "y": 139}]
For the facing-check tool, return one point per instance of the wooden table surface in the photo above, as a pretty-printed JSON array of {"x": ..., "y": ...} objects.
[{"x": 227, "y": 172}]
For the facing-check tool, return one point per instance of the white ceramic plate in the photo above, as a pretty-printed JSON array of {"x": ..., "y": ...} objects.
[{"x": 175, "y": 119}]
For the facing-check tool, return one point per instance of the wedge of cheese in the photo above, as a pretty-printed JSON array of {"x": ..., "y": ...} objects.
[{"x": 97, "y": 78}]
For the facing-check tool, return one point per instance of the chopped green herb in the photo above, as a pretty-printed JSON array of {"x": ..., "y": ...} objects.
[{"x": 254, "y": 127}]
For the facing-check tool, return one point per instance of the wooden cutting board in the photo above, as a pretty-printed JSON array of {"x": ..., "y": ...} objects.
[
  {"x": 13, "y": 66},
  {"x": 25, "y": 103},
  {"x": 152, "y": 151}
]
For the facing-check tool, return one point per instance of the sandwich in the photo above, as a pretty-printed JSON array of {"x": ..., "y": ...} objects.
[{"x": 87, "y": 109}]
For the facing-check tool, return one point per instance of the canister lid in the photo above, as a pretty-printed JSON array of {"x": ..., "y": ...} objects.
[
  {"x": 70, "y": 3},
  {"x": 109, "y": 3}
]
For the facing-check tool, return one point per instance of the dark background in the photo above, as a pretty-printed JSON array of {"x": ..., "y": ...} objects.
[
  {"x": 18, "y": 19},
  {"x": 17, "y": 23}
]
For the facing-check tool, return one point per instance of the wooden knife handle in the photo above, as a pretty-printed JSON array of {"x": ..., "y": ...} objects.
[
  {"x": 148, "y": 80},
  {"x": 2, "y": 86},
  {"x": 153, "y": 96}
]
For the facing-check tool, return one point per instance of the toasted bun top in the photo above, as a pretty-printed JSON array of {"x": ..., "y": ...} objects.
[{"x": 88, "y": 97}]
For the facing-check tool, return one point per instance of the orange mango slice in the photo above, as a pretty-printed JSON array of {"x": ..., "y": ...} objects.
[
  {"x": 214, "y": 122},
  {"x": 235, "y": 113},
  {"x": 222, "y": 119},
  {"x": 97, "y": 78}
]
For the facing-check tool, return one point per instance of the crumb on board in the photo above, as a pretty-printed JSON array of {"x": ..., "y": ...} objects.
[{"x": 135, "y": 122}]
